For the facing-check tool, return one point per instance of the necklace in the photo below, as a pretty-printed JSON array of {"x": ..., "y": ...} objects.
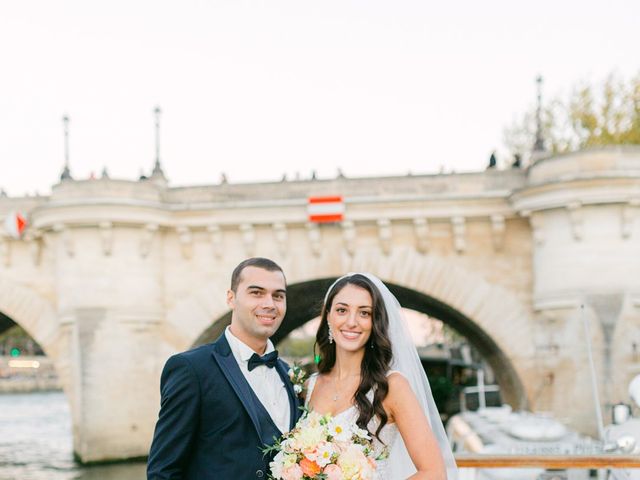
[
  {"x": 336, "y": 389},
  {"x": 336, "y": 395}
]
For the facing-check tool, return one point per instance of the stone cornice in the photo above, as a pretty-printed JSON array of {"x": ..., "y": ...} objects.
[
  {"x": 598, "y": 161},
  {"x": 348, "y": 200},
  {"x": 94, "y": 211},
  {"x": 45, "y": 218},
  {"x": 586, "y": 191}
]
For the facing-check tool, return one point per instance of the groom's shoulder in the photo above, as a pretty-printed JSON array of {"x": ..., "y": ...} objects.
[{"x": 196, "y": 354}]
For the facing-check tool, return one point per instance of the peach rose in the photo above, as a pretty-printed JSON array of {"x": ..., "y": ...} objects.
[
  {"x": 309, "y": 468},
  {"x": 294, "y": 472},
  {"x": 333, "y": 472}
]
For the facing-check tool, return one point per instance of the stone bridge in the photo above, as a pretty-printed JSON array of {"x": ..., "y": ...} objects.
[{"x": 113, "y": 276}]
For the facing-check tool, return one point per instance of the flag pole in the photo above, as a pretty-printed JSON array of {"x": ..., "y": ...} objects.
[{"x": 592, "y": 370}]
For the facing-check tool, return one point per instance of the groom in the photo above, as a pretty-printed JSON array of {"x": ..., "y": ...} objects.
[{"x": 222, "y": 402}]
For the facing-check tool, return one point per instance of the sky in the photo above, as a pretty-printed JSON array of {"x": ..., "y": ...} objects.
[{"x": 259, "y": 89}]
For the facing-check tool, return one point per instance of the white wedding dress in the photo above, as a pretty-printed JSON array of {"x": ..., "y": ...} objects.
[{"x": 387, "y": 435}]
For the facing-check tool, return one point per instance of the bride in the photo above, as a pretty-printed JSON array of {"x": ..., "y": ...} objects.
[{"x": 370, "y": 372}]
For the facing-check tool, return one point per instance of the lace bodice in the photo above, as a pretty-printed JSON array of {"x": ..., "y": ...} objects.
[{"x": 387, "y": 434}]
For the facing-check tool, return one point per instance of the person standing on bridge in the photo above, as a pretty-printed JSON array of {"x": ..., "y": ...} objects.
[{"x": 222, "y": 402}]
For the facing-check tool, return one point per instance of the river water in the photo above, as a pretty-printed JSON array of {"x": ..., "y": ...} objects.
[{"x": 36, "y": 443}]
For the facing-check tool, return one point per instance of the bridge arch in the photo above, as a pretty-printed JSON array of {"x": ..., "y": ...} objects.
[
  {"x": 491, "y": 317},
  {"x": 33, "y": 312}
]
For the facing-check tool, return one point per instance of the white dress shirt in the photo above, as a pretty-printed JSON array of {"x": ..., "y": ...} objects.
[{"x": 264, "y": 381}]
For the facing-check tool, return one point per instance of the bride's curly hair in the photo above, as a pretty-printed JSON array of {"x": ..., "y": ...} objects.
[{"x": 377, "y": 353}]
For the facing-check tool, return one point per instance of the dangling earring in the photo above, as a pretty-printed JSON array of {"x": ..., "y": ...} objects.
[{"x": 330, "y": 334}]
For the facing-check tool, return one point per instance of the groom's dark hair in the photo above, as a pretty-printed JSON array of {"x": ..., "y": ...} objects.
[{"x": 258, "y": 262}]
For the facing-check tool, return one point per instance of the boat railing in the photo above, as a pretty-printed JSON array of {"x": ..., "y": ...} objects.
[
  {"x": 550, "y": 462},
  {"x": 480, "y": 390}
]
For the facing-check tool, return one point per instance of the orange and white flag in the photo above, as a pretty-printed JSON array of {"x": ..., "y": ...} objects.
[{"x": 325, "y": 209}]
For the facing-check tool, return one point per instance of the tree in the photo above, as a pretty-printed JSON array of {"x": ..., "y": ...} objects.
[{"x": 590, "y": 116}]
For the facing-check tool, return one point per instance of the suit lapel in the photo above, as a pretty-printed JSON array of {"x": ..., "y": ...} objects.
[
  {"x": 229, "y": 367},
  {"x": 293, "y": 398}
]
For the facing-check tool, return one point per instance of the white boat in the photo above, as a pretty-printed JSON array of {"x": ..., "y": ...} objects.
[
  {"x": 623, "y": 434},
  {"x": 500, "y": 431}
]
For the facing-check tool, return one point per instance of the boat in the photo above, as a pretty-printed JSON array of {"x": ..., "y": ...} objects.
[
  {"x": 501, "y": 431},
  {"x": 623, "y": 434}
]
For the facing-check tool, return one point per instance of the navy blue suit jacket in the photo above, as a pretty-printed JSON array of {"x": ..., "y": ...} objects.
[{"x": 211, "y": 425}]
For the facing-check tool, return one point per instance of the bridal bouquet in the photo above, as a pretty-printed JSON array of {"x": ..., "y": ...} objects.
[{"x": 322, "y": 447}]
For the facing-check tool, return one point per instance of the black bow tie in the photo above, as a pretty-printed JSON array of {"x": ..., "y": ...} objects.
[{"x": 268, "y": 360}]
